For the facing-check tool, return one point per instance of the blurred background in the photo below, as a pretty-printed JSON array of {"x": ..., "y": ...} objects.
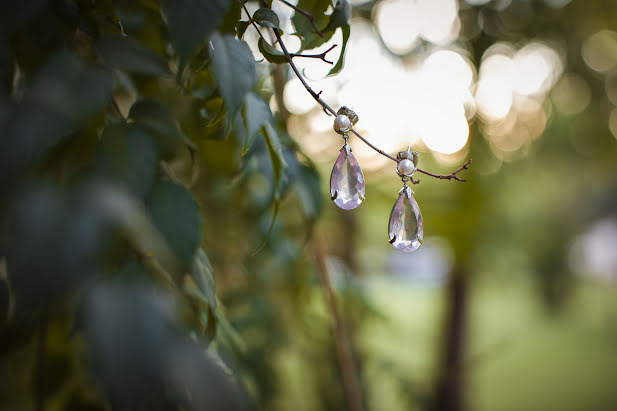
[{"x": 510, "y": 303}]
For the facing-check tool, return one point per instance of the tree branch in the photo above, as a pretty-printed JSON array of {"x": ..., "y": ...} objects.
[
  {"x": 327, "y": 109},
  {"x": 306, "y": 14},
  {"x": 315, "y": 95},
  {"x": 349, "y": 376},
  {"x": 248, "y": 15},
  {"x": 451, "y": 176},
  {"x": 321, "y": 56}
]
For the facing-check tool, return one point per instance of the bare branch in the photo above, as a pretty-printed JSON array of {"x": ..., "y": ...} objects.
[
  {"x": 344, "y": 353},
  {"x": 327, "y": 109},
  {"x": 306, "y": 14},
  {"x": 451, "y": 176},
  {"x": 321, "y": 56},
  {"x": 316, "y": 96}
]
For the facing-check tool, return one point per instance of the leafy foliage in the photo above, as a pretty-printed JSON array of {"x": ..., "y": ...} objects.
[{"x": 132, "y": 135}]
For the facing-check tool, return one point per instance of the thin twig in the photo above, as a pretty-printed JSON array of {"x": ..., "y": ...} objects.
[
  {"x": 251, "y": 19},
  {"x": 327, "y": 108},
  {"x": 321, "y": 56},
  {"x": 351, "y": 384},
  {"x": 451, "y": 176},
  {"x": 306, "y": 14},
  {"x": 318, "y": 99}
]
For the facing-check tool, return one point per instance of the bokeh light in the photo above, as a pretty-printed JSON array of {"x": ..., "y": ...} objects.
[
  {"x": 600, "y": 51},
  {"x": 593, "y": 252},
  {"x": 392, "y": 19},
  {"x": 571, "y": 94}
]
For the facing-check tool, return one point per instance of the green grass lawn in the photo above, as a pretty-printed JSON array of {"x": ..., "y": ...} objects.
[{"x": 519, "y": 357}]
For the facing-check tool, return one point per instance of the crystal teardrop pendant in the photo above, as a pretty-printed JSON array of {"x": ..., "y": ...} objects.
[
  {"x": 405, "y": 227},
  {"x": 347, "y": 180}
]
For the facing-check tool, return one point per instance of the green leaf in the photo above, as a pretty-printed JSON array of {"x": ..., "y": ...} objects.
[
  {"x": 341, "y": 59},
  {"x": 276, "y": 154},
  {"x": 62, "y": 96},
  {"x": 234, "y": 69},
  {"x": 155, "y": 116},
  {"x": 132, "y": 56},
  {"x": 229, "y": 335},
  {"x": 304, "y": 27},
  {"x": 340, "y": 16},
  {"x": 241, "y": 28},
  {"x": 129, "y": 155},
  {"x": 175, "y": 214},
  {"x": 276, "y": 205},
  {"x": 192, "y": 21},
  {"x": 203, "y": 274},
  {"x": 308, "y": 189},
  {"x": 267, "y": 18},
  {"x": 256, "y": 113},
  {"x": 270, "y": 53},
  {"x": 216, "y": 121},
  {"x": 231, "y": 18}
]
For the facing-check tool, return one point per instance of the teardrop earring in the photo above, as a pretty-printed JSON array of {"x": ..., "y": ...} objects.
[
  {"x": 347, "y": 180},
  {"x": 405, "y": 228}
]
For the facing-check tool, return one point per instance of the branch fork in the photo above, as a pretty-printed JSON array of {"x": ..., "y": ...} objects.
[{"x": 329, "y": 110}]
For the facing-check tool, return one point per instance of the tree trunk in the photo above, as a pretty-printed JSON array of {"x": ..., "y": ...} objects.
[{"x": 449, "y": 384}]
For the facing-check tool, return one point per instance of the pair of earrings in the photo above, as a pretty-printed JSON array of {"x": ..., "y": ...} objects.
[{"x": 347, "y": 188}]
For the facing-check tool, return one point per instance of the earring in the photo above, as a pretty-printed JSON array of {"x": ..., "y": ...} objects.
[
  {"x": 405, "y": 227},
  {"x": 347, "y": 180}
]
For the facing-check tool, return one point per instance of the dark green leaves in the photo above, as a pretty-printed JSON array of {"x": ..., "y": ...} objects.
[
  {"x": 63, "y": 95},
  {"x": 256, "y": 113},
  {"x": 340, "y": 16},
  {"x": 270, "y": 53},
  {"x": 341, "y": 60},
  {"x": 156, "y": 117},
  {"x": 203, "y": 274},
  {"x": 192, "y": 21},
  {"x": 303, "y": 25},
  {"x": 241, "y": 28},
  {"x": 200, "y": 288},
  {"x": 176, "y": 215},
  {"x": 234, "y": 69},
  {"x": 308, "y": 188},
  {"x": 267, "y": 18},
  {"x": 141, "y": 358},
  {"x": 130, "y": 55},
  {"x": 276, "y": 154},
  {"x": 275, "y": 150},
  {"x": 327, "y": 25},
  {"x": 56, "y": 243},
  {"x": 128, "y": 155}
]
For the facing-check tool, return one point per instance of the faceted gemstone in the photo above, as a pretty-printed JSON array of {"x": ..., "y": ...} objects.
[
  {"x": 406, "y": 228},
  {"x": 347, "y": 181}
]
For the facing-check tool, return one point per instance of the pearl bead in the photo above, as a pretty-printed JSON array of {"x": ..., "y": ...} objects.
[
  {"x": 342, "y": 124},
  {"x": 405, "y": 168}
]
